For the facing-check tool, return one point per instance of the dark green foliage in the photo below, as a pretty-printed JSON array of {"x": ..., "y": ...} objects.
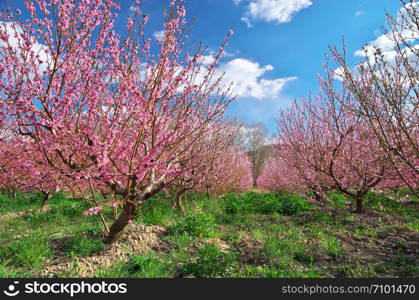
[
  {"x": 269, "y": 203},
  {"x": 28, "y": 251},
  {"x": 83, "y": 245},
  {"x": 195, "y": 224},
  {"x": 158, "y": 210},
  {"x": 388, "y": 204},
  {"x": 59, "y": 214},
  {"x": 211, "y": 262},
  {"x": 147, "y": 265},
  {"x": 22, "y": 201},
  {"x": 233, "y": 204},
  {"x": 269, "y": 235}
]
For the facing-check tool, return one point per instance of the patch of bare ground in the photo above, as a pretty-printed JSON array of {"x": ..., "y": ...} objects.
[
  {"x": 384, "y": 247},
  {"x": 220, "y": 244},
  {"x": 137, "y": 240},
  {"x": 258, "y": 191},
  {"x": 384, "y": 242},
  {"x": 250, "y": 252},
  {"x": 249, "y": 248},
  {"x": 17, "y": 214}
]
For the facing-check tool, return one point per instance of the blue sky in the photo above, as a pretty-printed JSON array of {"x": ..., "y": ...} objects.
[
  {"x": 293, "y": 46},
  {"x": 278, "y": 47}
]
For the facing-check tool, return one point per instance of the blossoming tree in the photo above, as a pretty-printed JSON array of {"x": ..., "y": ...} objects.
[
  {"x": 386, "y": 86},
  {"x": 102, "y": 108}
]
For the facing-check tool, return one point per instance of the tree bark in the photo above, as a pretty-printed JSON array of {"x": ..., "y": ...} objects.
[
  {"x": 46, "y": 197},
  {"x": 359, "y": 206},
  {"x": 178, "y": 201},
  {"x": 129, "y": 211}
]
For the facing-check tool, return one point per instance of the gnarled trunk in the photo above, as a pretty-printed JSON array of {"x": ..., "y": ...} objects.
[
  {"x": 178, "y": 201},
  {"x": 46, "y": 196},
  {"x": 359, "y": 206},
  {"x": 129, "y": 211}
]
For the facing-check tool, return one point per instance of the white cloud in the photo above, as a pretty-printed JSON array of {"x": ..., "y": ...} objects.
[
  {"x": 15, "y": 38},
  {"x": 247, "y": 21},
  {"x": 229, "y": 54},
  {"x": 245, "y": 76},
  {"x": 278, "y": 11},
  {"x": 247, "y": 80},
  {"x": 386, "y": 45},
  {"x": 359, "y": 13},
  {"x": 251, "y": 135},
  {"x": 206, "y": 59},
  {"x": 237, "y": 1},
  {"x": 159, "y": 35},
  {"x": 338, "y": 73},
  {"x": 385, "y": 42}
]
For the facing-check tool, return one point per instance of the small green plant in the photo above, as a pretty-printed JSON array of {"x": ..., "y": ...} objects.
[
  {"x": 118, "y": 270},
  {"x": 413, "y": 225},
  {"x": 231, "y": 237},
  {"x": 274, "y": 272},
  {"x": 196, "y": 224},
  {"x": 356, "y": 270},
  {"x": 82, "y": 245},
  {"x": 304, "y": 257},
  {"x": 157, "y": 210},
  {"x": 292, "y": 204},
  {"x": 27, "y": 251},
  {"x": 331, "y": 245},
  {"x": 279, "y": 250},
  {"x": 10, "y": 272},
  {"x": 269, "y": 203},
  {"x": 147, "y": 266},
  {"x": 211, "y": 263},
  {"x": 233, "y": 204}
]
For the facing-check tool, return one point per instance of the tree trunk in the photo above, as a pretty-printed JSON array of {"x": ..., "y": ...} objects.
[
  {"x": 178, "y": 201},
  {"x": 46, "y": 197},
  {"x": 359, "y": 207},
  {"x": 129, "y": 211}
]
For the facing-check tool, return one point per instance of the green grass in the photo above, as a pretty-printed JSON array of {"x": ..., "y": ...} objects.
[
  {"x": 250, "y": 202},
  {"x": 22, "y": 201},
  {"x": 331, "y": 245},
  {"x": 147, "y": 265},
  {"x": 356, "y": 270},
  {"x": 28, "y": 251},
  {"x": 83, "y": 245},
  {"x": 387, "y": 204},
  {"x": 267, "y": 235},
  {"x": 196, "y": 224},
  {"x": 157, "y": 211},
  {"x": 211, "y": 262},
  {"x": 412, "y": 225}
]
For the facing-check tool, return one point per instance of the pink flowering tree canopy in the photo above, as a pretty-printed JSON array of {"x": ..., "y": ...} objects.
[{"x": 100, "y": 107}]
